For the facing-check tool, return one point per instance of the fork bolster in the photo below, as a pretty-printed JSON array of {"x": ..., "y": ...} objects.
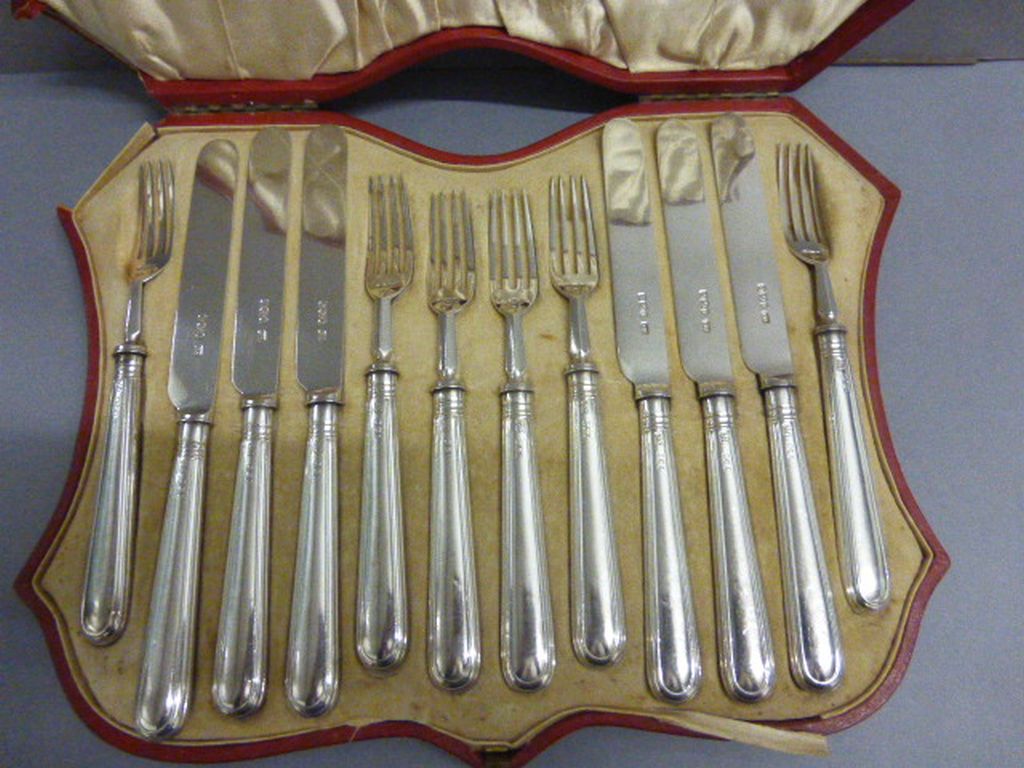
[
  {"x": 825, "y": 303},
  {"x": 579, "y": 331},
  {"x": 383, "y": 337},
  {"x": 859, "y": 534}
]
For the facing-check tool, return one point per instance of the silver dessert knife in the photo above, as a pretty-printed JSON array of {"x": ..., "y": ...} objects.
[
  {"x": 860, "y": 538},
  {"x": 673, "y": 652},
  {"x": 382, "y": 614},
  {"x": 107, "y": 591},
  {"x": 745, "y": 655},
  {"x": 598, "y": 613},
  {"x": 312, "y": 668},
  {"x": 527, "y": 626},
  {"x": 815, "y": 646},
  {"x": 240, "y": 660},
  {"x": 165, "y": 681},
  {"x": 453, "y": 631}
]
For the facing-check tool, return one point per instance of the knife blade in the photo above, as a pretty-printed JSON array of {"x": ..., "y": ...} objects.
[
  {"x": 240, "y": 659},
  {"x": 673, "y": 652},
  {"x": 815, "y": 646},
  {"x": 747, "y": 660},
  {"x": 312, "y": 672},
  {"x": 165, "y": 681}
]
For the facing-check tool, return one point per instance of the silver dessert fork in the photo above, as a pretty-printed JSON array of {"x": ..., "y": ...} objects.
[
  {"x": 453, "y": 632},
  {"x": 598, "y": 614},
  {"x": 381, "y": 610},
  {"x": 527, "y": 627},
  {"x": 861, "y": 540},
  {"x": 107, "y": 589}
]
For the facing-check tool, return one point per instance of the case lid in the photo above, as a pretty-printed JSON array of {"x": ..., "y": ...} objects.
[{"x": 245, "y": 52}]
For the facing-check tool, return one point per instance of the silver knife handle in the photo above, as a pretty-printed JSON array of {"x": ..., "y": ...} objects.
[
  {"x": 746, "y": 656},
  {"x": 598, "y": 613},
  {"x": 381, "y": 611},
  {"x": 673, "y": 651},
  {"x": 165, "y": 682},
  {"x": 815, "y": 646},
  {"x": 107, "y": 589},
  {"x": 453, "y": 637},
  {"x": 240, "y": 661},
  {"x": 527, "y": 626},
  {"x": 862, "y": 555},
  {"x": 311, "y": 673}
]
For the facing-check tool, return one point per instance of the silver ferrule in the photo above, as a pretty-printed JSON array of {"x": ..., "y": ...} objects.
[
  {"x": 579, "y": 332},
  {"x": 515, "y": 354},
  {"x": 383, "y": 332}
]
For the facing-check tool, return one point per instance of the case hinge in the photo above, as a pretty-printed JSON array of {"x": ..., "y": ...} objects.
[
  {"x": 645, "y": 97},
  {"x": 246, "y": 106}
]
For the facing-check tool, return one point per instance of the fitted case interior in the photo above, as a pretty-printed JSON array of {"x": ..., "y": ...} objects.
[{"x": 490, "y": 716}]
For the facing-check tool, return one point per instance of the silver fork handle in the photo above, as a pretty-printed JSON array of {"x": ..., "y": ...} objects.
[
  {"x": 815, "y": 645},
  {"x": 862, "y": 554},
  {"x": 381, "y": 609},
  {"x": 165, "y": 682},
  {"x": 598, "y": 613},
  {"x": 107, "y": 589},
  {"x": 673, "y": 651},
  {"x": 453, "y": 635},
  {"x": 747, "y": 659},
  {"x": 240, "y": 660},
  {"x": 311, "y": 674},
  {"x": 527, "y": 626}
]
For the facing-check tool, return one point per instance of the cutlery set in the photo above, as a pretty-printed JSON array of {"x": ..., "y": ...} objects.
[{"x": 694, "y": 198}]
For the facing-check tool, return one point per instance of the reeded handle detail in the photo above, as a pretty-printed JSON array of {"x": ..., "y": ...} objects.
[
  {"x": 107, "y": 589},
  {"x": 862, "y": 555},
  {"x": 598, "y": 614},
  {"x": 453, "y": 634},
  {"x": 815, "y": 646},
  {"x": 165, "y": 682},
  {"x": 527, "y": 627},
  {"x": 673, "y": 651},
  {"x": 311, "y": 674},
  {"x": 240, "y": 663},
  {"x": 381, "y": 611},
  {"x": 746, "y": 656}
]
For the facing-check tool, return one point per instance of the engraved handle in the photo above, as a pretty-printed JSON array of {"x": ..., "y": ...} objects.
[
  {"x": 598, "y": 613},
  {"x": 862, "y": 556},
  {"x": 311, "y": 674},
  {"x": 240, "y": 662},
  {"x": 381, "y": 610},
  {"x": 165, "y": 682},
  {"x": 815, "y": 646},
  {"x": 453, "y": 635},
  {"x": 747, "y": 659},
  {"x": 527, "y": 627},
  {"x": 107, "y": 589},
  {"x": 673, "y": 650}
]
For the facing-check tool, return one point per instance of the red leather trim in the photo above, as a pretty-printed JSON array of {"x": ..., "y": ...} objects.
[
  {"x": 208, "y": 754},
  {"x": 321, "y": 88},
  {"x": 26, "y": 9}
]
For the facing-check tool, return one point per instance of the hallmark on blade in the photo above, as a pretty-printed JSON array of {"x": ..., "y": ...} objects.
[
  {"x": 763, "y": 305},
  {"x": 644, "y": 312}
]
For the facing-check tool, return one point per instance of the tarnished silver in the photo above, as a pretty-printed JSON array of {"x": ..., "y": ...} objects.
[
  {"x": 746, "y": 658},
  {"x": 106, "y": 593},
  {"x": 382, "y": 613},
  {"x": 815, "y": 645},
  {"x": 673, "y": 663},
  {"x": 312, "y": 669},
  {"x": 860, "y": 538},
  {"x": 527, "y": 626},
  {"x": 165, "y": 680},
  {"x": 598, "y": 613},
  {"x": 240, "y": 660},
  {"x": 453, "y": 621}
]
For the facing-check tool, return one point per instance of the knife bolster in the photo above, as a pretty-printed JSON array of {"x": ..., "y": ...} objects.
[
  {"x": 195, "y": 418},
  {"x": 644, "y": 391},
  {"x": 772, "y": 382},
  {"x": 706, "y": 389},
  {"x": 130, "y": 349},
  {"x": 260, "y": 401}
]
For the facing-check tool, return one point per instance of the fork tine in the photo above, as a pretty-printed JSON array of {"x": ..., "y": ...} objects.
[
  {"x": 797, "y": 201},
  {"x": 145, "y": 212},
  {"x": 432, "y": 254},
  {"x": 811, "y": 193},
  {"x": 455, "y": 278},
  {"x": 492, "y": 240},
  {"x": 554, "y": 251},
  {"x": 518, "y": 245},
  {"x": 588, "y": 214},
  {"x": 563, "y": 238},
  {"x": 531, "y": 246},
  {"x": 371, "y": 230},
  {"x": 394, "y": 233},
  {"x": 409, "y": 261},
  {"x": 506, "y": 238},
  {"x": 782, "y": 177},
  {"x": 467, "y": 228},
  {"x": 577, "y": 226},
  {"x": 167, "y": 176}
]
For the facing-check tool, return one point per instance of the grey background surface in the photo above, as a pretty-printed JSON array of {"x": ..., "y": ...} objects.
[{"x": 949, "y": 333}]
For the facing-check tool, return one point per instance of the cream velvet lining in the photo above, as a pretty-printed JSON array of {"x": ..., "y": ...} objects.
[
  {"x": 490, "y": 715},
  {"x": 270, "y": 39}
]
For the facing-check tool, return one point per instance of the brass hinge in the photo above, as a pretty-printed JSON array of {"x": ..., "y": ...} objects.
[
  {"x": 647, "y": 97},
  {"x": 246, "y": 106}
]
